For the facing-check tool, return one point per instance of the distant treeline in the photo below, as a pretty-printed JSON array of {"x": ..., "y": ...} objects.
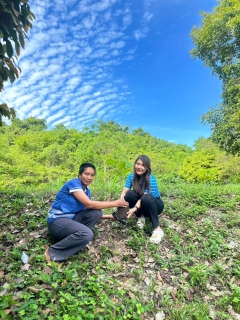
[{"x": 33, "y": 157}]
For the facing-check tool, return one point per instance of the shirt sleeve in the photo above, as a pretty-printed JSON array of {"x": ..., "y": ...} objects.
[
  {"x": 128, "y": 183},
  {"x": 154, "y": 187},
  {"x": 74, "y": 185}
]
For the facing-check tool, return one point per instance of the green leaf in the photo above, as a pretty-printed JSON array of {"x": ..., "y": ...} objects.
[
  {"x": 1, "y": 49},
  {"x": 12, "y": 75},
  {"x": 10, "y": 64},
  {"x": 21, "y": 39},
  {"x": 16, "y": 73},
  {"x": 32, "y": 15},
  {"x": 111, "y": 161},
  {"x": 4, "y": 30},
  {"x": 5, "y": 9},
  {"x": 13, "y": 34},
  {"x": 4, "y": 48},
  {"x": 6, "y": 112},
  {"x": 17, "y": 48},
  {"x": 26, "y": 28},
  {"x": 9, "y": 49},
  {"x": 15, "y": 10}
]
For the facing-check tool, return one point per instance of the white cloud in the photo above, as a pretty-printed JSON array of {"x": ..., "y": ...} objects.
[
  {"x": 117, "y": 45},
  {"x": 88, "y": 22},
  {"x": 140, "y": 33},
  {"x": 147, "y": 16},
  {"x": 68, "y": 64},
  {"x": 102, "y": 5},
  {"x": 115, "y": 53}
]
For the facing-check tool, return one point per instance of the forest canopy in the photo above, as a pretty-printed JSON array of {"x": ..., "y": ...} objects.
[{"x": 32, "y": 156}]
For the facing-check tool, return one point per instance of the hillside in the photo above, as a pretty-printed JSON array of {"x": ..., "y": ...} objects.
[{"x": 193, "y": 274}]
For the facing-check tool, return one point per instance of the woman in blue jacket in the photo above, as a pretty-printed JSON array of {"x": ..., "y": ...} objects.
[
  {"x": 73, "y": 214},
  {"x": 144, "y": 198}
]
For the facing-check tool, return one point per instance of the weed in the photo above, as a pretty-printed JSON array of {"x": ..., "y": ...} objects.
[
  {"x": 198, "y": 275},
  {"x": 106, "y": 252},
  {"x": 218, "y": 269},
  {"x": 136, "y": 242},
  {"x": 236, "y": 269},
  {"x": 231, "y": 218},
  {"x": 193, "y": 311},
  {"x": 235, "y": 299}
]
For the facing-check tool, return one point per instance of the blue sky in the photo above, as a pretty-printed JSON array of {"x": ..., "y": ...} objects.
[{"x": 127, "y": 61}]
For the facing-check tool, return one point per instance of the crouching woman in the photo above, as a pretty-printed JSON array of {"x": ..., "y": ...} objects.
[{"x": 73, "y": 215}]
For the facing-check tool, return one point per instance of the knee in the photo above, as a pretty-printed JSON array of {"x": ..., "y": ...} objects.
[
  {"x": 85, "y": 236},
  {"x": 130, "y": 195},
  {"x": 146, "y": 198},
  {"x": 89, "y": 236}
]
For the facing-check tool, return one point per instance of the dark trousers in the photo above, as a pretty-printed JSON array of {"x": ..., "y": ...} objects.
[
  {"x": 74, "y": 234},
  {"x": 150, "y": 207}
]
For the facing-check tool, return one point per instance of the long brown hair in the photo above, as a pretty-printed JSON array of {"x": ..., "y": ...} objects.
[{"x": 145, "y": 178}]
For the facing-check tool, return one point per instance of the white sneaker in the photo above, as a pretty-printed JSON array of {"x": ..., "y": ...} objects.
[
  {"x": 157, "y": 236},
  {"x": 141, "y": 222}
]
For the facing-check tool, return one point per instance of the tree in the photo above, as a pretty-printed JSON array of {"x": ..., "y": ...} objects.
[
  {"x": 201, "y": 166},
  {"x": 139, "y": 131},
  {"x": 14, "y": 25},
  {"x": 217, "y": 44},
  {"x": 112, "y": 126},
  {"x": 28, "y": 124},
  {"x": 225, "y": 119},
  {"x": 217, "y": 41}
]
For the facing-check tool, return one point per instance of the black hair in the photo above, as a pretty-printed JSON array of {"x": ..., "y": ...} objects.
[
  {"x": 145, "y": 178},
  {"x": 84, "y": 166}
]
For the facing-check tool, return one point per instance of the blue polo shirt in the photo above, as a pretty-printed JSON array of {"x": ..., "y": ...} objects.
[
  {"x": 153, "y": 185},
  {"x": 66, "y": 205}
]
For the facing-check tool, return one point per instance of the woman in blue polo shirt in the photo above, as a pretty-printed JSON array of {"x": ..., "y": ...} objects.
[
  {"x": 145, "y": 198},
  {"x": 73, "y": 215}
]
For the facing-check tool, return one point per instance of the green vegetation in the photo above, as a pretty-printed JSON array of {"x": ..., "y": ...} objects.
[
  {"x": 217, "y": 44},
  {"x": 32, "y": 157},
  {"x": 208, "y": 163},
  {"x": 193, "y": 274},
  {"x": 14, "y": 25}
]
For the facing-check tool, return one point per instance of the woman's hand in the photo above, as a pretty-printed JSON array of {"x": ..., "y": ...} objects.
[
  {"x": 125, "y": 190},
  {"x": 121, "y": 203},
  {"x": 131, "y": 212}
]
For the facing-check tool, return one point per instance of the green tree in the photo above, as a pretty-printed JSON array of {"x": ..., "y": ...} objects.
[
  {"x": 201, "y": 166},
  {"x": 14, "y": 25},
  {"x": 217, "y": 44},
  {"x": 111, "y": 126},
  {"x": 204, "y": 143},
  {"x": 225, "y": 118},
  {"x": 217, "y": 41},
  {"x": 209, "y": 163},
  {"x": 28, "y": 124}
]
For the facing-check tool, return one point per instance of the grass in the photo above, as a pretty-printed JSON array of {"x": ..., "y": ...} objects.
[{"x": 193, "y": 274}]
